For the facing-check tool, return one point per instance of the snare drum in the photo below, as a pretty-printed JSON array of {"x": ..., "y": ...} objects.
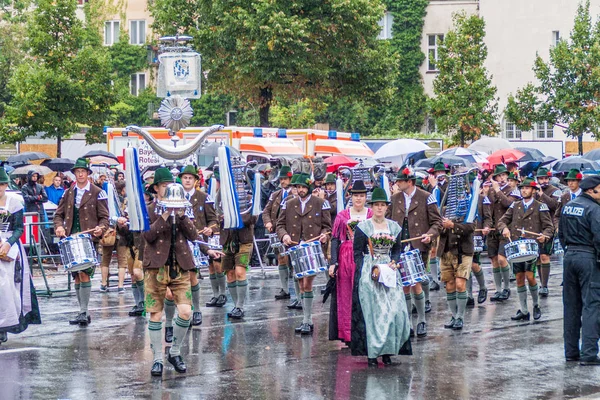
[
  {"x": 521, "y": 250},
  {"x": 275, "y": 244},
  {"x": 200, "y": 259},
  {"x": 558, "y": 249},
  {"x": 412, "y": 269},
  {"x": 77, "y": 252},
  {"x": 307, "y": 259},
  {"x": 214, "y": 241},
  {"x": 478, "y": 243}
]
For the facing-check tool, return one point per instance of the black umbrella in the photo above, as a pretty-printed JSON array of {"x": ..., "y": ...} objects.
[
  {"x": 210, "y": 149},
  {"x": 168, "y": 165},
  {"x": 24, "y": 158},
  {"x": 593, "y": 155},
  {"x": 59, "y": 164},
  {"x": 449, "y": 160},
  {"x": 100, "y": 153},
  {"x": 579, "y": 163},
  {"x": 532, "y": 166},
  {"x": 531, "y": 154},
  {"x": 412, "y": 158}
]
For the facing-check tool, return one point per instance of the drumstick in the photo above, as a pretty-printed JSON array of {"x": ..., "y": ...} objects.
[
  {"x": 316, "y": 237},
  {"x": 523, "y": 231},
  {"x": 416, "y": 238},
  {"x": 479, "y": 230}
]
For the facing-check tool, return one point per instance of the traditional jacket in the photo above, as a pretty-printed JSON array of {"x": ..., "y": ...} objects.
[
  {"x": 311, "y": 223},
  {"x": 458, "y": 240},
  {"x": 92, "y": 212},
  {"x": 565, "y": 198},
  {"x": 501, "y": 201},
  {"x": 273, "y": 208},
  {"x": 204, "y": 211},
  {"x": 536, "y": 219}
]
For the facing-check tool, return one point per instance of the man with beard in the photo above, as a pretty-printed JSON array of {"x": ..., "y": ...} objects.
[
  {"x": 305, "y": 217},
  {"x": 533, "y": 216}
]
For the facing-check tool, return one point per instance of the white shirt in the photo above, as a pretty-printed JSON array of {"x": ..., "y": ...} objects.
[
  {"x": 188, "y": 195},
  {"x": 408, "y": 198},
  {"x": 303, "y": 202},
  {"x": 527, "y": 204},
  {"x": 576, "y": 194},
  {"x": 80, "y": 192}
]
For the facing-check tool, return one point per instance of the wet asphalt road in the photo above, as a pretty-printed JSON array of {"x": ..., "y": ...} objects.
[{"x": 262, "y": 358}]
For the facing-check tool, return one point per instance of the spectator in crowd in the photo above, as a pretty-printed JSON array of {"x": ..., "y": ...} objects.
[
  {"x": 56, "y": 190},
  {"x": 34, "y": 194}
]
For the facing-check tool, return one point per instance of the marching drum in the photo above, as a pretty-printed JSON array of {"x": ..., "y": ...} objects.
[
  {"x": 200, "y": 259},
  {"x": 412, "y": 269},
  {"x": 558, "y": 249},
  {"x": 478, "y": 243},
  {"x": 522, "y": 250},
  {"x": 275, "y": 244},
  {"x": 77, "y": 252},
  {"x": 214, "y": 241},
  {"x": 307, "y": 259}
]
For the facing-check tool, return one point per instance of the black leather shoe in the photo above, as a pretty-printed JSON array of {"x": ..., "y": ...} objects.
[
  {"x": 237, "y": 313},
  {"x": 572, "y": 358},
  {"x": 505, "y": 294},
  {"x": 282, "y": 295},
  {"x": 496, "y": 297},
  {"x": 482, "y": 296},
  {"x": 458, "y": 325},
  {"x": 421, "y": 329},
  {"x": 520, "y": 316},
  {"x": 433, "y": 285},
  {"x": 3, "y": 337},
  {"x": 307, "y": 329},
  {"x": 427, "y": 307},
  {"x": 298, "y": 329},
  {"x": 230, "y": 313},
  {"x": 543, "y": 292},
  {"x": 83, "y": 320},
  {"x": 169, "y": 334},
  {"x": 157, "y": 369},
  {"x": 594, "y": 361},
  {"x": 75, "y": 321},
  {"x": 295, "y": 305},
  {"x": 212, "y": 302},
  {"x": 412, "y": 332},
  {"x": 414, "y": 309},
  {"x": 450, "y": 324},
  {"x": 177, "y": 363},
  {"x": 372, "y": 362},
  {"x": 387, "y": 360},
  {"x": 470, "y": 302},
  {"x": 133, "y": 312},
  {"x": 221, "y": 300},
  {"x": 537, "y": 313},
  {"x": 196, "y": 318}
]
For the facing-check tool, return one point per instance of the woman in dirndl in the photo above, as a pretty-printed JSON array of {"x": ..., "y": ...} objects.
[
  {"x": 18, "y": 302},
  {"x": 380, "y": 324},
  {"x": 342, "y": 267}
]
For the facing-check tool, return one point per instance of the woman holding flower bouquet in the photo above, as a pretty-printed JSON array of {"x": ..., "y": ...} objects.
[
  {"x": 380, "y": 324},
  {"x": 18, "y": 303},
  {"x": 342, "y": 263}
]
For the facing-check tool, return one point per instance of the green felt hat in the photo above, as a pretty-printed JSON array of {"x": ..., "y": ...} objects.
[
  {"x": 190, "y": 169},
  {"x": 514, "y": 176},
  {"x": 500, "y": 169},
  {"x": 330, "y": 178},
  {"x": 543, "y": 173},
  {"x": 82, "y": 163},
  {"x": 529, "y": 182},
  {"x": 440, "y": 166},
  {"x": 294, "y": 179},
  {"x": 574, "y": 175},
  {"x": 162, "y": 175},
  {"x": 285, "y": 172},
  {"x": 379, "y": 196},
  {"x": 405, "y": 174},
  {"x": 419, "y": 182},
  {"x": 3, "y": 176},
  {"x": 303, "y": 180}
]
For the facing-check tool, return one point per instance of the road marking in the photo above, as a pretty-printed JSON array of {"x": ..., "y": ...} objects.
[{"x": 10, "y": 351}]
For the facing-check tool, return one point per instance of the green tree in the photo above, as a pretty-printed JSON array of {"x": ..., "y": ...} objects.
[
  {"x": 266, "y": 49},
  {"x": 66, "y": 82},
  {"x": 567, "y": 91},
  {"x": 465, "y": 105}
]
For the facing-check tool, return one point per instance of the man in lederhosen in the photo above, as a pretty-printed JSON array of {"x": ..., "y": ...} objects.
[
  {"x": 533, "y": 216},
  {"x": 83, "y": 207},
  {"x": 502, "y": 194},
  {"x": 549, "y": 195},
  {"x": 305, "y": 217},
  {"x": 417, "y": 212},
  {"x": 483, "y": 225},
  {"x": 438, "y": 179},
  {"x": 270, "y": 215}
]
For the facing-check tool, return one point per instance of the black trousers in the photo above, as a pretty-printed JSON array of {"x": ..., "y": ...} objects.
[{"x": 581, "y": 304}]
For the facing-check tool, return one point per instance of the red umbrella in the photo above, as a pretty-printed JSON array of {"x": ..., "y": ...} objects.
[
  {"x": 505, "y": 156},
  {"x": 339, "y": 161}
]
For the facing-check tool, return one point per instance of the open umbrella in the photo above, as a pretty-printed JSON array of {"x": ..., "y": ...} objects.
[
  {"x": 505, "y": 156},
  {"x": 593, "y": 155},
  {"x": 412, "y": 158},
  {"x": 489, "y": 145},
  {"x": 339, "y": 161},
  {"x": 59, "y": 164},
  {"x": 100, "y": 153},
  {"x": 24, "y": 170},
  {"x": 397, "y": 150},
  {"x": 579, "y": 163},
  {"x": 531, "y": 154},
  {"x": 472, "y": 156},
  {"x": 23, "y": 158},
  {"x": 449, "y": 160},
  {"x": 210, "y": 149}
]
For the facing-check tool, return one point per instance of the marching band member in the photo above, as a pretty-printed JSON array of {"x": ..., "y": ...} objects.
[
  {"x": 574, "y": 176},
  {"x": 18, "y": 302},
  {"x": 83, "y": 207},
  {"x": 302, "y": 218},
  {"x": 550, "y": 195},
  {"x": 342, "y": 267},
  {"x": 416, "y": 211},
  {"x": 218, "y": 278},
  {"x": 501, "y": 195},
  {"x": 439, "y": 185},
  {"x": 295, "y": 304},
  {"x": 107, "y": 250},
  {"x": 270, "y": 214},
  {"x": 483, "y": 223},
  {"x": 331, "y": 196},
  {"x": 533, "y": 216},
  {"x": 380, "y": 320}
]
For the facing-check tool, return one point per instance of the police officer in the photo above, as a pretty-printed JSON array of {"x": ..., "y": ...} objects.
[{"x": 580, "y": 237}]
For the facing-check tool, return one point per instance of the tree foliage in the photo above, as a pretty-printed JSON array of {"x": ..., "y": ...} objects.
[
  {"x": 567, "y": 90},
  {"x": 465, "y": 105}
]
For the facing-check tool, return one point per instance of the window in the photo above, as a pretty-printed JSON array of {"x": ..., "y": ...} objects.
[
  {"x": 555, "y": 37},
  {"x": 544, "y": 130},
  {"x": 111, "y": 32},
  {"x": 511, "y": 131},
  {"x": 137, "y": 32},
  {"x": 433, "y": 42},
  {"x": 81, "y": 2},
  {"x": 431, "y": 125},
  {"x": 137, "y": 84},
  {"x": 386, "y": 26}
]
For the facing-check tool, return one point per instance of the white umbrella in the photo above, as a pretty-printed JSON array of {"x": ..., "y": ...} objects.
[
  {"x": 489, "y": 145},
  {"x": 397, "y": 150},
  {"x": 473, "y": 156}
]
